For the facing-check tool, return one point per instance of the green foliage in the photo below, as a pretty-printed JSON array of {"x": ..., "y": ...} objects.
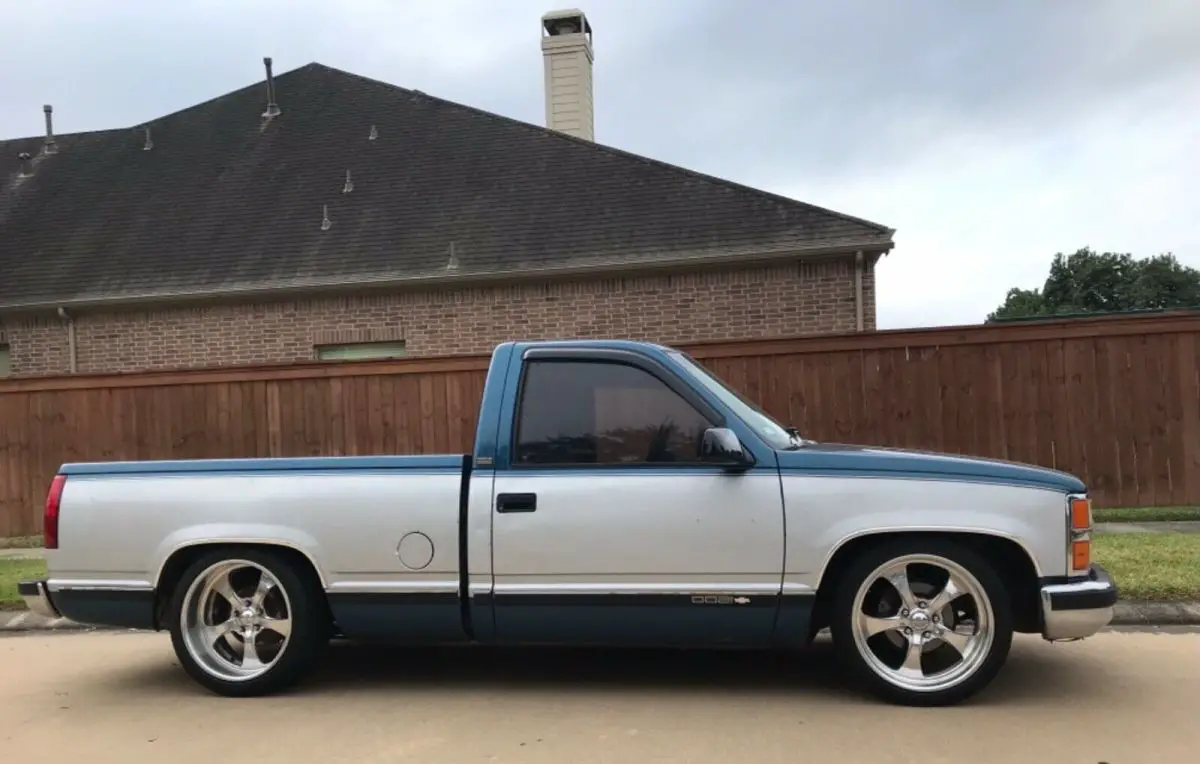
[{"x": 1094, "y": 282}]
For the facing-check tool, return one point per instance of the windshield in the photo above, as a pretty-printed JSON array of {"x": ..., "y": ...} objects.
[{"x": 767, "y": 428}]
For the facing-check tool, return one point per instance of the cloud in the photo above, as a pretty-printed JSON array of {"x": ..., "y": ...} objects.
[{"x": 991, "y": 135}]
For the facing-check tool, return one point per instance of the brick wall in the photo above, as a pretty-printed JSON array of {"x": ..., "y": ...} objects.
[{"x": 782, "y": 300}]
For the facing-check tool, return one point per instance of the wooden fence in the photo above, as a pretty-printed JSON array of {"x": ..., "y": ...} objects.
[{"x": 1114, "y": 400}]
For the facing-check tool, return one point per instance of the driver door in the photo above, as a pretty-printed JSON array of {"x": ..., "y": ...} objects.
[{"x": 607, "y": 528}]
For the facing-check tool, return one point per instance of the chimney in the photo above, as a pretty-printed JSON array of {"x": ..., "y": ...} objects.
[{"x": 567, "y": 54}]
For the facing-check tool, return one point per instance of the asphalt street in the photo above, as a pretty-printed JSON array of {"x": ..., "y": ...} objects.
[{"x": 1123, "y": 696}]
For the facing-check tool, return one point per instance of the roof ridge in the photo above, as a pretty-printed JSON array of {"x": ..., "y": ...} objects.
[
  {"x": 184, "y": 110},
  {"x": 694, "y": 174},
  {"x": 170, "y": 114},
  {"x": 230, "y": 94},
  {"x": 63, "y": 135}
]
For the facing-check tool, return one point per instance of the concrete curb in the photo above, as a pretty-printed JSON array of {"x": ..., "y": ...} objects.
[
  {"x": 25, "y": 620},
  {"x": 1143, "y": 613},
  {"x": 1126, "y": 613}
]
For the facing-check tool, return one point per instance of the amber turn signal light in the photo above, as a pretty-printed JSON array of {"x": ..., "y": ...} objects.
[
  {"x": 1081, "y": 514},
  {"x": 1081, "y": 555}
]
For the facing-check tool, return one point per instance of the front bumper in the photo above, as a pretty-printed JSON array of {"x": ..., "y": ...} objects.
[
  {"x": 1080, "y": 608},
  {"x": 37, "y": 598}
]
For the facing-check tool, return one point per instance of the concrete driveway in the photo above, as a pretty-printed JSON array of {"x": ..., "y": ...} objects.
[{"x": 1121, "y": 697}]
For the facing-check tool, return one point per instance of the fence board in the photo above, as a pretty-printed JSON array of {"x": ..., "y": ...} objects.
[{"x": 1114, "y": 400}]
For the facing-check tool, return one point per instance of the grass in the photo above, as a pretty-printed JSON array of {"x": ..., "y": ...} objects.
[
  {"x": 12, "y": 571},
  {"x": 1151, "y": 566},
  {"x": 21, "y": 542},
  {"x": 1145, "y": 514}
]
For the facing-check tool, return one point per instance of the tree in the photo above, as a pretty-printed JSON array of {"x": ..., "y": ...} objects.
[{"x": 1093, "y": 282}]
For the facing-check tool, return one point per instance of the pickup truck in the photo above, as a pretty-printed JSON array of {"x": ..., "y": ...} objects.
[{"x": 618, "y": 494}]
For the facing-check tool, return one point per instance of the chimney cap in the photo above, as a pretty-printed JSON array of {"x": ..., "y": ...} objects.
[{"x": 552, "y": 20}]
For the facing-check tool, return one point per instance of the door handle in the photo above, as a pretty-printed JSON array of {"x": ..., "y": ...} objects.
[{"x": 516, "y": 502}]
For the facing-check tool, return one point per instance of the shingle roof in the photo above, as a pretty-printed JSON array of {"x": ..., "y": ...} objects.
[{"x": 223, "y": 204}]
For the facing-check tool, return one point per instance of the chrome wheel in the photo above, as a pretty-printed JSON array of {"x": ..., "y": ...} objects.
[
  {"x": 923, "y": 623},
  {"x": 236, "y": 620}
]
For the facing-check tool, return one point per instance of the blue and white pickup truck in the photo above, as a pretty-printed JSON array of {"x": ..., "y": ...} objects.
[{"x": 618, "y": 494}]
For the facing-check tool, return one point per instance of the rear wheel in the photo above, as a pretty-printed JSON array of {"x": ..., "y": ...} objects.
[
  {"x": 924, "y": 622},
  {"x": 246, "y": 622}
]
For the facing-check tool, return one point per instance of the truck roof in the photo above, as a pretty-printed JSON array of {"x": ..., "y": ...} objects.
[{"x": 597, "y": 343}]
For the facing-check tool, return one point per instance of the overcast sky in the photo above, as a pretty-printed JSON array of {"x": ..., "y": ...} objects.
[{"x": 990, "y": 135}]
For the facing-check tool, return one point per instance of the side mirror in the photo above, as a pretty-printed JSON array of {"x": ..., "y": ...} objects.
[{"x": 721, "y": 446}]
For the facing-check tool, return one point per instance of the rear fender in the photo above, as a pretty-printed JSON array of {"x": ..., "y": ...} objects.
[{"x": 238, "y": 533}]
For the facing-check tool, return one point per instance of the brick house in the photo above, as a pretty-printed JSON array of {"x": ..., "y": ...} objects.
[{"x": 320, "y": 214}]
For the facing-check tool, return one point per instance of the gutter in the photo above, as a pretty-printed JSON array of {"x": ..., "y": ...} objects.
[
  {"x": 72, "y": 353},
  {"x": 858, "y": 291},
  {"x": 319, "y": 286}
]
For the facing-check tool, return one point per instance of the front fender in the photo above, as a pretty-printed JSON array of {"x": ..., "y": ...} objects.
[
  {"x": 881, "y": 528},
  {"x": 825, "y": 513}
]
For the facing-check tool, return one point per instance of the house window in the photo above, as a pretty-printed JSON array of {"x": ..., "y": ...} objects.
[
  {"x": 5, "y": 361},
  {"x": 360, "y": 351}
]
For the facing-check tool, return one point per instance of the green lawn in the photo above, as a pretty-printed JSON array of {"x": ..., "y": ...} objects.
[
  {"x": 21, "y": 542},
  {"x": 12, "y": 571},
  {"x": 1145, "y": 514},
  {"x": 1151, "y": 566}
]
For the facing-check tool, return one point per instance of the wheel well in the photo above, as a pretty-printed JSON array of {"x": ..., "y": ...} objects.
[
  {"x": 1011, "y": 561},
  {"x": 173, "y": 570}
]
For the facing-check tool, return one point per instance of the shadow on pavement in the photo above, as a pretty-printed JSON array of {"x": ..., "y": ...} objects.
[{"x": 1032, "y": 674}]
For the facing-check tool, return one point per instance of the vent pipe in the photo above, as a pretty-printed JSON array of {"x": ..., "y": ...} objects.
[
  {"x": 272, "y": 106},
  {"x": 50, "y": 146}
]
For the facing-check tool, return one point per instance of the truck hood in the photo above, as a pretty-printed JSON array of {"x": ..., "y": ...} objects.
[{"x": 836, "y": 458}]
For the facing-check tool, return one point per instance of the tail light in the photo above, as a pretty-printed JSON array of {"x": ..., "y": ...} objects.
[{"x": 50, "y": 516}]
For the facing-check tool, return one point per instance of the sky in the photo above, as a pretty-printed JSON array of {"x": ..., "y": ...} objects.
[{"x": 989, "y": 135}]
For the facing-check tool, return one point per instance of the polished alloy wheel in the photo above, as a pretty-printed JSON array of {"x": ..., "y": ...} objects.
[
  {"x": 923, "y": 623},
  {"x": 236, "y": 620}
]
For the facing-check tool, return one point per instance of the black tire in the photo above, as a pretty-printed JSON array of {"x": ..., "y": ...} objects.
[
  {"x": 310, "y": 622},
  {"x": 841, "y": 626}
]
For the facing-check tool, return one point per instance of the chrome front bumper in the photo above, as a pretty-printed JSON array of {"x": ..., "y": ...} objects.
[
  {"x": 37, "y": 598},
  {"x": 1078, "y": 609}
]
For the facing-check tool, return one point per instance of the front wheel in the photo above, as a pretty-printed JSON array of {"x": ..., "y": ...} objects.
[
  {"x": 246, "y": 622},
  {"x": 924, "y": 622}
]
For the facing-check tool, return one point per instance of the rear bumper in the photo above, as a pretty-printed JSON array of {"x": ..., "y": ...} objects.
[
  {"x": 1078, "y": 609},
  {"x": 37, "y": 598}
]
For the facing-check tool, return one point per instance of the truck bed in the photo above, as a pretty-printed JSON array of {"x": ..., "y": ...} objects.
[{"x": 344, "y": 514}]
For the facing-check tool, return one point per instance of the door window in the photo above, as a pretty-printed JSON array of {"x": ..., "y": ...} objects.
[{"x": 603, "y": 413}]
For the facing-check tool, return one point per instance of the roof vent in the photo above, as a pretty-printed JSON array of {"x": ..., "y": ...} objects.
[
  {"x": 149, "y": 144},
  {"x": 272, "y": 106},
  {"x": 452, "y": 262},
  {"x": 326, "y": 223},
  {"x": 373, "y": 134},
  {"x": 26, "y": 165},
  {"x": 49, "y": 146},
  {"x": 348, "y": 186}
]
